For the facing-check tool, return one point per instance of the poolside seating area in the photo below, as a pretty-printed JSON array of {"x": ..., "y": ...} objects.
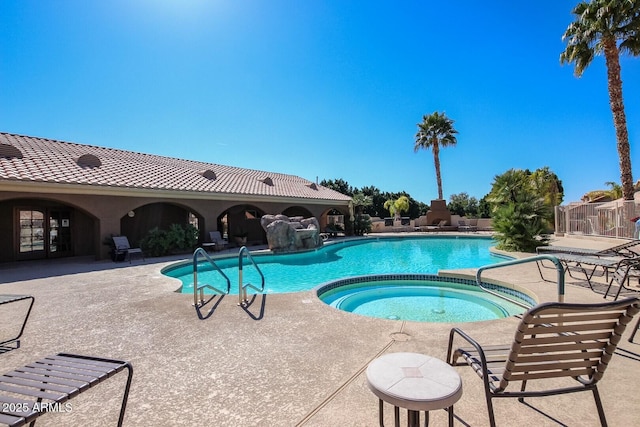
[
  {"x": 216, "y": 242},
  {"x": 621, "y": 262},
  {"x": 123, "y": 250},
  {"x": 553, "y": 340},
  {"x": 300, "y": 363}
]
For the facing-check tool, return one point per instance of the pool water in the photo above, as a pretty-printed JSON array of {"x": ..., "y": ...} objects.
[
  {"x": 303, "y": 271},
  {"x": 420, "y": 300}
]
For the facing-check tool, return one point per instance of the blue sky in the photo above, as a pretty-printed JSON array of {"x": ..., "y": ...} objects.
[{"x": 327, "y": 89}]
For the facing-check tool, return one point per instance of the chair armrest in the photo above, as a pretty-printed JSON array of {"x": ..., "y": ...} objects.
[
  {"x": 474, "y": 343},
  {"x": 452, "y": 357}
]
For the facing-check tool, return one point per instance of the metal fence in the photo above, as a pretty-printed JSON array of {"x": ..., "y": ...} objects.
[{"x": 611, "y": 219}]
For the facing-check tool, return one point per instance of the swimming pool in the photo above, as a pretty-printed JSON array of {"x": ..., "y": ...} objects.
[
  {"x": 422, "y": 298},
  {"x": 381, "y": 255}
]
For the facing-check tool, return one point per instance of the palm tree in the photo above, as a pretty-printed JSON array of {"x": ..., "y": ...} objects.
[
  {"x": 397, "y": 206},
  {"x": 609, "y": 27},
  {"x": 361, "y": 201},
  {"x": 435, "y": 131},
  {"x": 615, "y": 190}
]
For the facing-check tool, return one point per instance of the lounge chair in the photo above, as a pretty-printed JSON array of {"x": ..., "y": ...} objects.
[
  {"x": 122, "y": 247},
  {"x": 47, "y": 385},
  {"x": 13, "y": 343},
  {"x": 569, "y": 343},
  {"x": 589, "y": 266},
  {"x": 621, "y": 274},
  {"x": 635, "y": 329},
  {"x": 216, "y": 241},
  {"x": 628, "y": 249},
  {"x": 441, "y": 225}
]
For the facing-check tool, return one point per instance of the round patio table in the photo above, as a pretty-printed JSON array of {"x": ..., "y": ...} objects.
[{"x": 416, "y": 382}]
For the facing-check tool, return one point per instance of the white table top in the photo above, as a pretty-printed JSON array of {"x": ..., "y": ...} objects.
[{"x": 414, "y": 381}]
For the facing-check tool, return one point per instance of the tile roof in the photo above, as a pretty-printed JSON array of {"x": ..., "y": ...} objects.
[{"x": 31, "y": 159}]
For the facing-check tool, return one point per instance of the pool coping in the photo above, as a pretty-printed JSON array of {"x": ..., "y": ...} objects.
[{"x": 462, "y": 279}]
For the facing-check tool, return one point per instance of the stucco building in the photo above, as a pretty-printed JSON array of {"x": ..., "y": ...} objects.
[{"x": 66, "y": 199}]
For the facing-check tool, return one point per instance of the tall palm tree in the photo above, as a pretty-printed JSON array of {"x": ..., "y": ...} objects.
[
  {"x": 610, "y": 27},
  {"x": 435, "y": 131}
]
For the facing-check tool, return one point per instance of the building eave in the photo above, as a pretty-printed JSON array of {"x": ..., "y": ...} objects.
[{"x": 89, "y": 189}]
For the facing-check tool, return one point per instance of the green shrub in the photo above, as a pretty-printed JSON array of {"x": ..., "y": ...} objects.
[
  {"x": 362, "y": 225},
  {"x": 155, "y": 243},
  {"x": 162, "y": 242}
]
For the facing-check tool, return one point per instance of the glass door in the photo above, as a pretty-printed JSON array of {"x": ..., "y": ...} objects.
[
  {"x": 59, "y": 233},
  {"x": 43, "y": 233},
  {"x": 31, "y": 233}
]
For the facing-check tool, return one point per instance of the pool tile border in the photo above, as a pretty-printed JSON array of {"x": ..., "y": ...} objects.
[{"x": 328, "y": 286}]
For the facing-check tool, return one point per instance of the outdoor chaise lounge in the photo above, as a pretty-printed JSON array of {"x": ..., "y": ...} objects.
[
  {"x": 13, "y": 342},
  {"x": 589, "y": 266},
  {"x": 46, "y": 385},
  {"x": 628, "y": 249},
  {"x": 464, "y": 226},
  {"x": 122, "y": 247},
  {"x": 561, "y": 347},
  {"x": 216, "y": 241},
  {"x": 624, "y": 269}
]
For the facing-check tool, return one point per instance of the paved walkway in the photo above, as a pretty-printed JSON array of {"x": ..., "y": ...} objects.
[{"x": 289, "y": 360}]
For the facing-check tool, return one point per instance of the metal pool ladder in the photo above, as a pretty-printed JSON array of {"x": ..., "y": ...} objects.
[
  {"x": 198, "y": 302},
  {"x": 242, "y": 288}
]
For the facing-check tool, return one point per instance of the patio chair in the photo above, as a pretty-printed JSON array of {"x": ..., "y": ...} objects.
[
  {"x": 588, "y": 266},
  {"x": 439, "y": 226},
  {"x": 621, "y": 274},
  {"x": 635, "y": 329},
  {"x": 46, "y": 386},
  {"x": 13, "y": 343},
  {"x": 216, "y": 241},
  {"x": 628, "y": 249},
  {"x": 554, "y": 344},
  {"x": 122, "y": 247}
]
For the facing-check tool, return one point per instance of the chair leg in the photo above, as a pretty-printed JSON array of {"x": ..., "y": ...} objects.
[
  {"x": 635, "y": 329},
  {"x": 522, "y": 387},
  {"x": 492, "y": 418},
  {"x": 596, "y": 396}
]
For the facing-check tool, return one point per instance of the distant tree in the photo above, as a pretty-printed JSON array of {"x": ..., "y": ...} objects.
[
  {"x": 613, "y": 28},
  {"x": 548, "y": 185},
  {"x": 463, "y": 205},
  {"x": 360, "y": 201},
  {"x": 397, "y": 206},
  {"x": 361, "y": 221},
  {"x": 339, "y": 185},
  {"x": 377, "y": 201},
  {"x": 484, "y": 208},
  {"x": 376, "y": 207},
  {"x": 435, "y": 131}
]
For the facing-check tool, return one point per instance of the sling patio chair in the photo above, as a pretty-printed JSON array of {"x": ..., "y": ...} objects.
[
  {"x": 217, "y": 242},
  {"x": 588, "y": 266},
  {"x": 122, "y": 247},
  {"x": 628, "y": 249},
  {"x": 560, "y": 347},
  {"x": 635, "y": 329},
  {"x": 624, "y": 269}
]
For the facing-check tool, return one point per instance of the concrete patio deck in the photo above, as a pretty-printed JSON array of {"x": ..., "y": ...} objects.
[{"x": 289, "y": 360}]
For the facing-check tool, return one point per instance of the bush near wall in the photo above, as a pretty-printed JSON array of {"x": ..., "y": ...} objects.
[{"x": 179, "y": 238}]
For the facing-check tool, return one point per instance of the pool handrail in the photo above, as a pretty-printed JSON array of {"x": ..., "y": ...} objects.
[
  {"x": 242, "y": 289},
  {"x": 536, "y": 258},
  {"x": 196, "y": 287}
]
